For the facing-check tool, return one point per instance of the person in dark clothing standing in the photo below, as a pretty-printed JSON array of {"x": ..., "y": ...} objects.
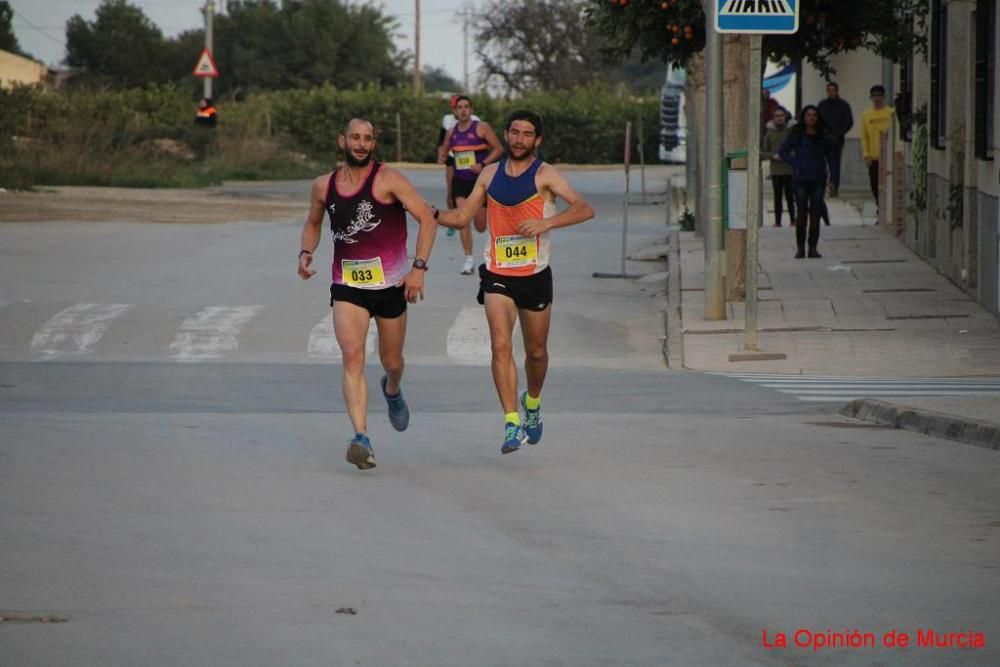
[
  {"x": 836, "y": 115},
  {"x": 807, "y": 149},
  {"x": 781, "y": 173}
]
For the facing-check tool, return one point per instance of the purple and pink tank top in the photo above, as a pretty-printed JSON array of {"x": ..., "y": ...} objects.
[{"x": 369, "y": 235}]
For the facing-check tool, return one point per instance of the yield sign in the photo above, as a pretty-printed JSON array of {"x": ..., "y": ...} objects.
[{"x": 206, "y": 65}]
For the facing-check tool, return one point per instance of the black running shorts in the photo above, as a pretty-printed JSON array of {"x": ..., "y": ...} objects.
[
  {"x": 529, "y": 292},
  {"x": 461, "y": 187},
  {"x": 389, "y": 303}
]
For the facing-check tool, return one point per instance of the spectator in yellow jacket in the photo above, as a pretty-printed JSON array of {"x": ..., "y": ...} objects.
[{"x": 874, "y": 122}]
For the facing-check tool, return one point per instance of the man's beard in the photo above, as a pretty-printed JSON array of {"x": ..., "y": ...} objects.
[
  {"x": 355, "y": 162},
  {"x": 525, "y": 154}
]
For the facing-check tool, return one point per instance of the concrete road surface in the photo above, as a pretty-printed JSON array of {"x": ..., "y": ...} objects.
[{"x": 173, "y": 489}]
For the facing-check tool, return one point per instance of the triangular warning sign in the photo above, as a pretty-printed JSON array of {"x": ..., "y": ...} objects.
[{"x": 206, "y": 65}]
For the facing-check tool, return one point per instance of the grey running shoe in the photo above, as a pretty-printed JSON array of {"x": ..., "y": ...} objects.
[
  {"x": 399, "y": 412},
  {"x": 360, "y": 452}
]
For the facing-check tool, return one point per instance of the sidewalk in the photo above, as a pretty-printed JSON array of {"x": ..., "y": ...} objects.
[{"x": 869, "y": 308}]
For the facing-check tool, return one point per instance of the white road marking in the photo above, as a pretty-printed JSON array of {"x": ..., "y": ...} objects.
[
  {"x": 815, "y": 388},
  {"x": 323, "y": 342},
  {"x": 469, "y": 337},
  {"x": 211, "y": 333},
  {"x": 75, "y": 330}
]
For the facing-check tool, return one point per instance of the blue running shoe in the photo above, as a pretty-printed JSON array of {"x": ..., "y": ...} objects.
[
  {"x": 450, "y": 232},
  {"x": 399, "y": 412},
  {"x": 360, "y": 452},
  {"x": 532, "y": 421},
  {"x": 513, "y": 438}
]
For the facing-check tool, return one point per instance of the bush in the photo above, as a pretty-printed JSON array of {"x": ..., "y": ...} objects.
[{"x": 110, "y": 137}]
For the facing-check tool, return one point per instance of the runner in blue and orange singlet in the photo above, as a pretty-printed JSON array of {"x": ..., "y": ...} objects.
[
  {"x": 515, "y": 283},
  {"x": 366, "y": 202},
  {"x": 474, "y": 144}
]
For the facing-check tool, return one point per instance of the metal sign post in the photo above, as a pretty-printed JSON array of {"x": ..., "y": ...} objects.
[
  {"x": 628, "y": 162},
  {"x": 756, "y": 18},
  {"x": 753, "y": 196}
]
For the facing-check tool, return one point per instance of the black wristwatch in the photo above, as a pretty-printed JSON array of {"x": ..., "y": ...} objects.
[{"x": 420, "y": 264}]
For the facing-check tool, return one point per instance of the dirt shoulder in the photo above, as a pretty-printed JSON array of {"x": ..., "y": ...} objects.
[{"x": 86, "y": 204}]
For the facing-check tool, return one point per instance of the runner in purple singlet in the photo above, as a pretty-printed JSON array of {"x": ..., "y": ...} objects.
[{"x": 474, "y": 145}]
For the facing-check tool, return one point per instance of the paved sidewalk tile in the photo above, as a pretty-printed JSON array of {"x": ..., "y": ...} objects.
[{"x": 869, "y": 307}]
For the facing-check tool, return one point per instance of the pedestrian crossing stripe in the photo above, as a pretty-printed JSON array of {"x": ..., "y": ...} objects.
[
  {"x": 757, "y": 16},
  {"x": 839, "y": 389},
  {"x": 757, "y": 7}
]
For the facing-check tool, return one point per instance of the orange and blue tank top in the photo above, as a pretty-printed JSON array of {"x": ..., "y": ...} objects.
[{"x": 510, "y": 201}]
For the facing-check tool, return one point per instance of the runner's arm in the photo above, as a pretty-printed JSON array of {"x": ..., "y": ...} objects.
[
  {"x": 312, "y": 229},
  {"x": 403, "y": 190},
  {"x": 549, "y": 178},
  {"x": 458, "y": 218},
  {"x": 445, "y": 143},
  {"x": 490, "y": 137}
]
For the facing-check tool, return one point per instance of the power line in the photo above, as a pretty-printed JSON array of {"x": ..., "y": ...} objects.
[{"x": 40, "y": 31}]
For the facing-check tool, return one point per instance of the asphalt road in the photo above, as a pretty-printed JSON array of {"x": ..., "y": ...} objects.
[{"x": 172, "y": 482}]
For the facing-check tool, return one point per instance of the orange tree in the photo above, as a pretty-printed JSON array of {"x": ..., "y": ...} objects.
[{"x": 674, "y": 30}]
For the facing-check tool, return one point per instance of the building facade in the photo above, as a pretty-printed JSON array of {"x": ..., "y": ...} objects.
[
  {"x": 18, "y": 70},
  {"x": 943, "y": 180}
]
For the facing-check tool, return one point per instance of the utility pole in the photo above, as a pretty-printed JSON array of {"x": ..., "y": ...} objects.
[
  {"x": 715, "y": 294},
  {"x": 753, "y": 194},
  {"x": 416, "y": 48},
  {"x": 465, "y": 50},
  {"x": 209, "y": 11}
]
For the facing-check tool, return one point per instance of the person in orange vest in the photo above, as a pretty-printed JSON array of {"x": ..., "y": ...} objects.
[{"x": 206, "y": 115}]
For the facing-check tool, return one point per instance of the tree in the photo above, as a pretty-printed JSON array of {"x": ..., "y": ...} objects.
[
  {"x": 121, "y": 47},
  {"x": 437, "y": 80},
  {"x": 674, "y": 30},
  {"x": 261, "y": 45},
  {"x": 8, "y": 40},
  {"x": 536, "y": 44}
]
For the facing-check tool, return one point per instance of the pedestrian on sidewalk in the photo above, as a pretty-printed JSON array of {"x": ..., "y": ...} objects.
[
  {"x": 835, "y": 112},
  {"x": 807, "y": 148},
  {"x": 874, "y": 122},
  {"x": 781, "y": 172}
]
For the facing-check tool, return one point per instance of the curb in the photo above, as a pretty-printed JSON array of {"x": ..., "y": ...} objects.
[
  {"x": 673, "y": 341},
  {"x": 935, "y": 424}
]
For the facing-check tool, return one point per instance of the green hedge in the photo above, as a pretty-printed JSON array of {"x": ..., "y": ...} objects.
[{"x": 86, "y": 137}]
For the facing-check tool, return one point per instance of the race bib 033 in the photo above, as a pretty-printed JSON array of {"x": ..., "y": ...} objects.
[{"x": 363, "y": 272}]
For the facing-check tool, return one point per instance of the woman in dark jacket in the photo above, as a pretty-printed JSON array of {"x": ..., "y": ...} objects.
[{"x": 806, "y": 149}]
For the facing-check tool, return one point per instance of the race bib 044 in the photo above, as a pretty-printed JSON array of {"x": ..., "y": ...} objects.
[
  {"x": 363, "y": 272},
  {"x": 513, "y": 251},
  {"x": 465, "y": 159}
]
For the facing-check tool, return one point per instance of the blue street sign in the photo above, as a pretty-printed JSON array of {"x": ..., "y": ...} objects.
[{"x": 757, "y": 16}]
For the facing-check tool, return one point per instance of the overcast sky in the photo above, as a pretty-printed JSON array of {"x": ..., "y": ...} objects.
[{"x": 40, "y": 26}]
